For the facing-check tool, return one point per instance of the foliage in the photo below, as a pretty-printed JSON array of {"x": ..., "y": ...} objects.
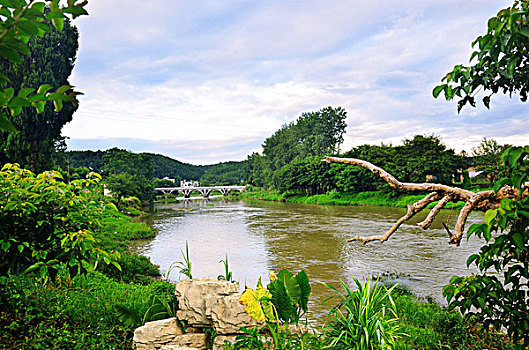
[
  {"x": 487, "y": 158},
  {"x": 365, "y": 318},
  {"x": 427, "y": 325},
  {"x": 283, "y": 301},
  {"x": 223, "y": 174},
  {"x": 421, "y": 158},
  {"x": 501, "y": 302},
  {"x": 183, "y": 266},
  {"x": 20, "y": 21},
  {"x": 128, "y": 174},
  {"x": 312, "y": 134},
  {"x": 46, "y": 225},
  {"x": 78, "y": 315},
  {"x": 501, "y": 60},
  {"x": 38, "y": 138},
  {"x": 162, "y": 166},
  {"x": 228, "y": 276}
]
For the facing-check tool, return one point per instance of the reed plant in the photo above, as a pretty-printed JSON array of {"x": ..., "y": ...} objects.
[{"x": 364, "y": 318}]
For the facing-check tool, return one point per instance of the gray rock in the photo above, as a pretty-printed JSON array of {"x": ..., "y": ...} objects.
[
  {"x": 227, "y": 314},
  {"x": 192, "y": 295},
  {"x": 191, "y": 340},
  {"x": 219, "y": 340},
  {"x": 153, "y": 335}
]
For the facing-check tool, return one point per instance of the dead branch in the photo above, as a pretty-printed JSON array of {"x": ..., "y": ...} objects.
[{"x": 480, "y": 201}]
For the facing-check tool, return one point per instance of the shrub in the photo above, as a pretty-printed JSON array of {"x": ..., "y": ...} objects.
[
  {"x": 501, "y": 302},
  {"x": 46, "y": 225}
]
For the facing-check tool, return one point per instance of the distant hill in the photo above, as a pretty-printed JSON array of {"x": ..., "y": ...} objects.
[{"x": 227, "y": 173}]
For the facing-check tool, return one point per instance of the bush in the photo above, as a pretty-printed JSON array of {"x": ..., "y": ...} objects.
[
  {"x": 80, "y": 315},
  {"x": 46, "y": 225}
]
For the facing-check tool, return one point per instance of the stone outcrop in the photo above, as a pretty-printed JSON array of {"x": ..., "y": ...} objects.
[
  {"x": 203, "y": 303},
  {"x": 153, "y": 335}
]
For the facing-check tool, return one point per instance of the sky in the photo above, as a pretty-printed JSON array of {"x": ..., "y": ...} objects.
[{"x": 208, "y": 81}]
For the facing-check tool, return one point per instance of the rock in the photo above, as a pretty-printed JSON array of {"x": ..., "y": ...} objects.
[
  {"x": 192, "y": 295},
  {"x": 153, "y": 335},
  {"x": 227, "y": 314},
  {"x": 177, "y": 347},
  {"x": 192, "y": 340},
  {"x": 297, "y": 329},
  {"x": 219, "y": 340}
]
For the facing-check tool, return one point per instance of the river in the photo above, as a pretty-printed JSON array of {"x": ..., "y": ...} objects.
[{"x": 259, "y": 236}]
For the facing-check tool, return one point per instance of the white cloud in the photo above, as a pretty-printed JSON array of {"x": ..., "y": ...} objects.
[{"x": 214, "y": 73}]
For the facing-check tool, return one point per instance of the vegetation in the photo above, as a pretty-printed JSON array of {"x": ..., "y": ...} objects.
[
  {"x": 501, "y": 65},
  {"x": 364, "y": 318},
  {"x": 502, "y": 303},
  {"x": 21, "y": 21},
  {"x": 284, "y": 301},
  {"x": 500, "y": 60},
  {"x": 50, "y": 60},
  {"x": 47, "y": 225}
]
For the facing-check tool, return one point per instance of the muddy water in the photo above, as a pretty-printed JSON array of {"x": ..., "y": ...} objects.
[{"x": 259, "y": 236}]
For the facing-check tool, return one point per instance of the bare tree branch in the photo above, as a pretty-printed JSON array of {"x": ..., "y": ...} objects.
[
  {"x": 481, "y": 201},
  {"x": 412, "y": 210},
  {"x": 426, "y": 223}
]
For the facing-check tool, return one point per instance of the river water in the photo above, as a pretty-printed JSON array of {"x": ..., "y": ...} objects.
[{"x": 259, "y": 236}]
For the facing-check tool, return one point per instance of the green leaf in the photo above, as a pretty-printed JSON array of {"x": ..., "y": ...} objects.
[
  {"x": 304, "y": 285},
  {"x": 5, "y": 124},
  {"x": 4, "y": 78},
  {"x": 437, "y": 90},
  {"x": 28, "y": 27},
  {"x": 486, "y": 234},
  {"x": 19, "y": 102},
  {"x": 490, "y": 215},
  {"x": 58, "y": 23},
  {"x": 39, "y": 6},
  {"x": 518, "y": 240},
  {"x": 471, "y": 259},
  {"x": 501, "y": 182},
  {"x": 44, "y": 88},
  {"x": 281, "y": 299},
  {"x": 63, "y": 89},
  {"x": 514, "y": 155}
]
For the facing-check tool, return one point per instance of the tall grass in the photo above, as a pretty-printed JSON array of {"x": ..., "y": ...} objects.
[{"x": 364, "y": 318}]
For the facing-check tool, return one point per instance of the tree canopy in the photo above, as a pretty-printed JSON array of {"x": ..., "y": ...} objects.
[
  {"x": 21, "y": 20},
  {"x": 500, "y": 62},
  {"x": 50, "y": 60}
]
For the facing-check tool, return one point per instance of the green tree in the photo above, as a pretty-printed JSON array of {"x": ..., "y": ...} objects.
[
  {"x": 129, "y": 174},
  {"x": 501, "y": 60},
  {"x": 426, "y": 155},
  {"x": 21, "y": 20},
  {"x": 501, "y": 302},
  {"x": 487, "y": 158},
  {"x": 312, "y": 134},
  {"x": 51, "y": 60}
]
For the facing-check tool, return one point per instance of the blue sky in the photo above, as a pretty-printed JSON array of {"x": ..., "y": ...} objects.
[{"x": 208, "y": 81}]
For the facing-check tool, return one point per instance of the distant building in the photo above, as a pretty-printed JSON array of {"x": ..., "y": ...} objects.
[{"x": 185, "y": 183}]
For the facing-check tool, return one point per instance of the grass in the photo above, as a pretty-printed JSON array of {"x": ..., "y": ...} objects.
[
  {"x": 83, "y": 313},
  {"x": 80, "y": 314},
  {"x": 337, "y": 198}
]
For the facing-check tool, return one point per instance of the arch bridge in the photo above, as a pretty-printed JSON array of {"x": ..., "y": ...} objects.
[{"x": 205, "y": 191}]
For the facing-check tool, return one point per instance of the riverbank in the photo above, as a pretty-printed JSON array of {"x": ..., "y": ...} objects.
[
  {"x": 99, "y": 310},
  {"x": 379, "y": 198}
]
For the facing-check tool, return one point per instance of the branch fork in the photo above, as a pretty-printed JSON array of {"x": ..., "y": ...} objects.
[{"x": 438, "y": 192}]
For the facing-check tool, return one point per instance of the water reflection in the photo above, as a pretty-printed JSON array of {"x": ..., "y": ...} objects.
[{"x": 261, "y": 236}]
